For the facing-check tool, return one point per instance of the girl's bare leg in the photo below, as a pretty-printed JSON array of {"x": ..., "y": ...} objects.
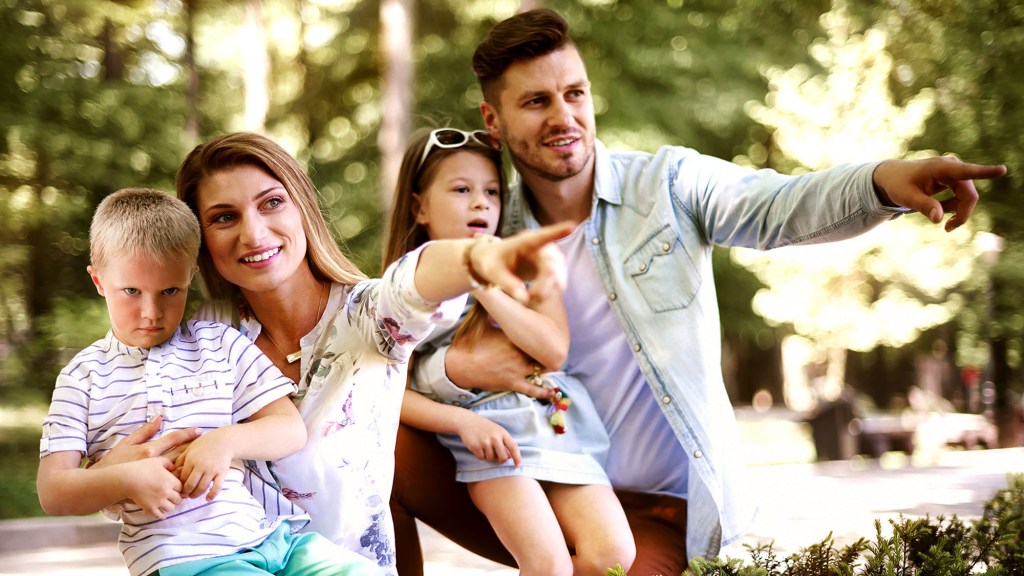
[
  {"x": 594, "y": 524},
  {"x": 518, "y": 509},
  {"x": 425, "y": 489}
]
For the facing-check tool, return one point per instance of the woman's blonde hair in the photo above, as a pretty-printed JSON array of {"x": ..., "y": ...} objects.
[
  {"x": 325, "y": 258},
  {"x": 415, "y": 176},
  {"x": 142, "y": 221}
]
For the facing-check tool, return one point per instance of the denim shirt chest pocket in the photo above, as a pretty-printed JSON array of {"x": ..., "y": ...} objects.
[
  {"x": 210, "y": 396},
  {"x": 663, "y": 271}
]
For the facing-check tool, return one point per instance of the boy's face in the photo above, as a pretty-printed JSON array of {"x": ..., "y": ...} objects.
[{"x": 145, "y": 296}]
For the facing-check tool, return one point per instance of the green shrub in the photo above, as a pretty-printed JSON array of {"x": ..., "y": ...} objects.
[{"x": 992, "y": 546}]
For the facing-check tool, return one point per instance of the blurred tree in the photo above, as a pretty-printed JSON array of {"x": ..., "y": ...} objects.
[
  {"x": 85, "y": 108},
  {"x": 971, "y": 51},
  {"x": 255, "y": 68},
  {"x": 102, "y": 94},
  {"x": 397, "y": 78},
  {"x": 861, "y": 293}
]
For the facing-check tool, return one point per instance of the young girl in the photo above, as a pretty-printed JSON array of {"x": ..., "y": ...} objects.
[{"x": 533, "y": 467}]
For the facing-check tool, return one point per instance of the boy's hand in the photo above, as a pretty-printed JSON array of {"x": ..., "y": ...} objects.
[
  {"x": 153, "y": 486},
  {"x": 204, "y": 463},
  {"x": 487, "y": 440}
]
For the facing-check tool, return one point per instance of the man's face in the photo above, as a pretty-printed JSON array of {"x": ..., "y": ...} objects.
[{"x": 545, "y": 116}]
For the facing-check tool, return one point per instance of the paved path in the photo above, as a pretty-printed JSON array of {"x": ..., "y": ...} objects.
[{"x": 801, "y": 504}]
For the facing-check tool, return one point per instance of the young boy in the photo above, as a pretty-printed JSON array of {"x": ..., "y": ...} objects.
[{"x": 194, "y": 514}]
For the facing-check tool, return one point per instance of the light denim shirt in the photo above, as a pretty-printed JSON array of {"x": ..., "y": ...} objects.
[{"x": 654, "y": 221}]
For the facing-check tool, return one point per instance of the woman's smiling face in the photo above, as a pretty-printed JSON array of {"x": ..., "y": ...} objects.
[{"x": 251, "y": 228}]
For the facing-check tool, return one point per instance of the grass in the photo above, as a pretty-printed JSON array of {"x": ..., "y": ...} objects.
[{"x": 20, "y": 427}]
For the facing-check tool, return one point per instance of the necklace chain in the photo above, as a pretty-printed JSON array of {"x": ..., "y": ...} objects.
[{"x": 294, "y": 356}]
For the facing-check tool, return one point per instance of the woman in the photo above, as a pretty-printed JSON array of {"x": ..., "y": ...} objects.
[{"x": 270, "y": 267}]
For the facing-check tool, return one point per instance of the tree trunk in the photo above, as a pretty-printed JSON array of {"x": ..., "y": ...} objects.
[
  {"x": 113, "y": 56},
  {"x": 255, "y": 69},
  {"x": 192, "y": 115},
  {"x": 397, "y": 76}
]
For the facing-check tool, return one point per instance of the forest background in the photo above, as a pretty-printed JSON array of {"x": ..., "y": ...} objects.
[{"x": 96, "y": 95}]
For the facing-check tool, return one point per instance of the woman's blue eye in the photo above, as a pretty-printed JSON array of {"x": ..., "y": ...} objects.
[
  {"x": 274, "y": 202},
  {"x": 131, "y": 291},
  {"x": 170, "y": 291}
]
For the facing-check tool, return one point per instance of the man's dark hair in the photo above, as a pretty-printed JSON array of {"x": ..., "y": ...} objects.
[{"x": 524, "y": 36}]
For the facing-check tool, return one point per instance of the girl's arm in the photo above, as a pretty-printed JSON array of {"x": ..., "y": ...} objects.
[
  {"x": 67, "y": 489},
  {"x": 540, "y": 328},
  {"x": 485, "y": 439},
  {"x": 506, "y": 263},
  {"x": 272, "y": 432}
]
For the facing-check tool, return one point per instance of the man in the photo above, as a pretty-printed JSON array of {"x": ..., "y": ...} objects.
[{"x": 641, "y": 299}]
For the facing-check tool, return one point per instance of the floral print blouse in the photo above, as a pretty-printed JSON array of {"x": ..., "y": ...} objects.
[{"x": 353, "y": 376}]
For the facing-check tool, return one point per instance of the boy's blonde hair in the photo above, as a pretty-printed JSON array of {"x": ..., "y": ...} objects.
[{"x": 142, "y": 221}]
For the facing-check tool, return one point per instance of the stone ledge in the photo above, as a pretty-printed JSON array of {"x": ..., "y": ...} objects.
[{"x": 31, "y": 533}]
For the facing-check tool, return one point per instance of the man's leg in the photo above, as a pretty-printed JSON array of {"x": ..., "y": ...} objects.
[
  {"x": 659, "y": 529},
  {"x": 425, "y": 488}
]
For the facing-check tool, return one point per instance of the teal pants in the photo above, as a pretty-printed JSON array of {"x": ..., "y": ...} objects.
[{"x": 284, "y": 554}]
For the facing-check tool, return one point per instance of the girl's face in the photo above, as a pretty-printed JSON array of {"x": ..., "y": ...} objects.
[
  {"x": 252, "y": 228},
  {"x": 462, "y": 200}
]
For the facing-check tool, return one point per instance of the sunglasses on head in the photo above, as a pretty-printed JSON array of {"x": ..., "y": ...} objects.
[{"x": 455, "y": 138}]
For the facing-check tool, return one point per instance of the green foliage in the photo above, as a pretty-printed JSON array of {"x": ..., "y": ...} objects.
[
  {"x": 84, "y": 110},
  {"x": 615, "y": 571},
  {"x": 992, "y": 545},
  {"x": 94, "y": 96},
  {"x": 969, "y": 50}
]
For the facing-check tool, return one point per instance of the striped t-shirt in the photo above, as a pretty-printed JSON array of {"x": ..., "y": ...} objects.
[{"x": 206, "y": 376}]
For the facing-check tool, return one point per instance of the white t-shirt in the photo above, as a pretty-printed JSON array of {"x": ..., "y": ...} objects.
[
  {"x": 207, "y": 375},
  {"x": 644, "y": 455}
]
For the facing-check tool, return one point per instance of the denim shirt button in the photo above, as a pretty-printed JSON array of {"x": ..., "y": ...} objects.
[
  {"x": 643, "y": 267},
  {"x": 666, "y": 247},
  {"x": 636, "y": 347},
  {"x": 595, "y": 240},
  {"x": 613, "y": 296},
  {"x": 666, "y": 399},
  {"x": 698, "y": 454}
]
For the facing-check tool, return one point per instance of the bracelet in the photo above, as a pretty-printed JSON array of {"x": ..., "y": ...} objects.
[{"x": 476, "y": 281}]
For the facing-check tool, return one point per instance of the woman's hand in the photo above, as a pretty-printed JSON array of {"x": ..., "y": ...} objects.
[
  {"x": 138, "y": 446},
  {"x": 508, "y": 264},
  {"x": 525, "y": 257}
]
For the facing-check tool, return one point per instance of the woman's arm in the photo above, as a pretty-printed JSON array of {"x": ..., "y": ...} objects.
[
  {"x": 506, "y": 263},
  {"x": 272, "y": 432},
  {"x": 139, "y": 445},
  {"x": 540, "y": 329}
]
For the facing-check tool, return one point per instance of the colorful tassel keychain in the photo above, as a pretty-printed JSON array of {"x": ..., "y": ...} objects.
[{"x": 556, "y": 407}]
